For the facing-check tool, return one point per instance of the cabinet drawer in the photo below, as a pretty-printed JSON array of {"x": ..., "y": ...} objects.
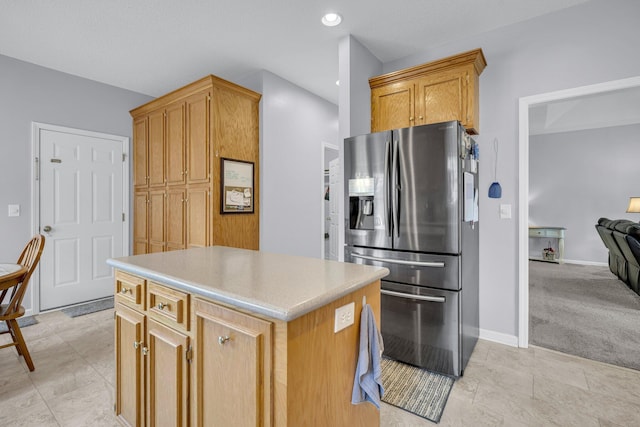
[
  {"x": 130, "y": 290},
  {"x": 168, "y": 306}
]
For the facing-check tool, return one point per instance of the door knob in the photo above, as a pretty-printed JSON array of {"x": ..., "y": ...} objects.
[{"x": 46, "y": 228}]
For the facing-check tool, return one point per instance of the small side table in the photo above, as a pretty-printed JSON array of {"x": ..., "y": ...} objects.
[{"x": 550, "y": 233}]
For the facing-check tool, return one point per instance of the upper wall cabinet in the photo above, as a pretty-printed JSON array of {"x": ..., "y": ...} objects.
[{"x": 438, "y": 91}]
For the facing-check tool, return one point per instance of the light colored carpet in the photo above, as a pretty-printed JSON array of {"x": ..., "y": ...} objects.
[
  {"x": 416, "y": 390},
  {"x": 585, "y": 311},
  {"x": 90, "y": 307}
]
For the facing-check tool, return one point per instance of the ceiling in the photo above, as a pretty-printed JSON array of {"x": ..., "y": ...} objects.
[
  {"x": 613, "y": 108},
  {"x": 155, "y": 46}
]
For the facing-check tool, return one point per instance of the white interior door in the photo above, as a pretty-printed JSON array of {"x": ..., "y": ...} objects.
[
  {"x": 81, "y": 214},
  {"x": 334, "y": 194}
]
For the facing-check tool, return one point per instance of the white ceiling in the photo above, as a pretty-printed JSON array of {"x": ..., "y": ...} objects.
[
  {"x": 155, "y": 46},
  {"x": 613, "y": 108}
]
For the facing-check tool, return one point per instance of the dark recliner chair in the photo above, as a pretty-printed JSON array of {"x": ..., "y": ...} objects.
[{"x": 622, "y": 239}]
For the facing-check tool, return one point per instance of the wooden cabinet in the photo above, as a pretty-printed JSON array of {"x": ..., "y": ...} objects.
[
  {"x": 152, "y": 354},
  {"x": 443, "y": 90},
  {"x": 179, "y": 140},
  {"x": 232, "y": 358},
  {"x": 184, "y": 360}
]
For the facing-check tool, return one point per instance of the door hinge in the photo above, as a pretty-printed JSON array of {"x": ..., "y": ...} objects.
[
  {"x": 122, "y": 216},
  {"x": 124, "y": 156},
  {"x": 189, "y": 354},
  {"x": 37, "y": 160}
]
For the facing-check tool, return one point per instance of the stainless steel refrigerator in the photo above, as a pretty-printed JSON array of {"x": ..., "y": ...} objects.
[{"x": 412, "y": 206}]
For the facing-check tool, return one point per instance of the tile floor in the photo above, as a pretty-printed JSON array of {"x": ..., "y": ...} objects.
[{"x": 502, "y": 386}]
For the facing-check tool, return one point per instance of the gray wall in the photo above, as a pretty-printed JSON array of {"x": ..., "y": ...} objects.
[
  {"x": 294, "y": 124},
  {"x": 586, "y": 44},
  {"x": 31, "y": 93},
  {"x": 576, "y": 178}
]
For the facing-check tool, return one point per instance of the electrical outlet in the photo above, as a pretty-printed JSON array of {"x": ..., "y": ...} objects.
[{"x": 344, "y": 316}]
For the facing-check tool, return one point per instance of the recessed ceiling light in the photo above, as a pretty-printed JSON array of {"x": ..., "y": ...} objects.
[
  {"x": 331, "y": 19},
  {"x": 337, "y": 82}
]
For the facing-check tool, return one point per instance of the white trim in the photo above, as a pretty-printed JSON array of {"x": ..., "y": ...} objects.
[
  {"x": 499, "y": 337},
  {"x": 523, "y": 189},
  {"x": 582, "y": 262},
  {"x": 325, "y": 146},
  {"x": 36, "y": 127}
]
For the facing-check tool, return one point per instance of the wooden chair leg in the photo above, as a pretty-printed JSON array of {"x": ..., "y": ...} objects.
[
  {"x": 13, "y": 337},
  {"x": 20, "y": 344}
]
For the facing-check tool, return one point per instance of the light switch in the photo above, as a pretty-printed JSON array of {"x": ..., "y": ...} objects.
[
  {"x": 14, "y": 210},
  {"x": 505, "y": 211}
]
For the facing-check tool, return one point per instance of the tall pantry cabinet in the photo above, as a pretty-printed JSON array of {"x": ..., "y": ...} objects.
[{"x": 179, "y": 140}]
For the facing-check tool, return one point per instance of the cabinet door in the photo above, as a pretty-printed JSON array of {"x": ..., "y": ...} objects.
[
  {"x": 156, "y": 148},
  {"x": 140, "y": 159},
  {"x": 198, "y": 171},
  {"x": 175, "y": 219},
  {"x": 232, "y": 358},
  {"x": 140, "y": 235},
  {"x": 198, "y": 217},
  {"x": 167, "y": 376},
  {"x": 174, "y": 141},
  {"x": 443, "y": 97},
  {"x": 156, "y": 218},
  {"x": 129, "y": 336},
  {"x": 392, "y": 106}
]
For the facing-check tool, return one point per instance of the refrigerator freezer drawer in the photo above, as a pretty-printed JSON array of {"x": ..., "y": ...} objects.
[
  {"x": 421, "y": 327},
  {"x": 430, "y": 270}
]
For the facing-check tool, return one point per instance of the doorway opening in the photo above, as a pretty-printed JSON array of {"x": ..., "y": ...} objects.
[
  {"x": 526, "y": 105},
  {"x": 330, "y": 197}
]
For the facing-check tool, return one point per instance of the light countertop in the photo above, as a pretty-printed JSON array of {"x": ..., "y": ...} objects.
[{"x": 282, "y": 287}]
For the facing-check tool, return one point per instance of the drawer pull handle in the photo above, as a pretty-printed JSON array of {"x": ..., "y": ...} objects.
[
  {"x": 162, "y": 306},
  {"x": 123, "y": 291},
  {"x": 223, "y": 340}
]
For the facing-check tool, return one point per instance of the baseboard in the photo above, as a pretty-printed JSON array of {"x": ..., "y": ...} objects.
[
  {"x": 581, "y": 262},
  {"x": 499, "y": 337}
]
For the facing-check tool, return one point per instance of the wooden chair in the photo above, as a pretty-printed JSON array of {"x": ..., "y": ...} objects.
[{"x": 13, "y": 310}]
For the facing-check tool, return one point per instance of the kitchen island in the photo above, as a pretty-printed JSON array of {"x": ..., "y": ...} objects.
[{"x": 223, "y": 336}]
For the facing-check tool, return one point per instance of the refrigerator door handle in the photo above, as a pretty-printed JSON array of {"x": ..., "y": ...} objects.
[
  {"x": 396, "y": 189},
  {"x": 399, "y": 261},
  {"x": 387, "y": 188},
  {"x": 412, "y": 296}
]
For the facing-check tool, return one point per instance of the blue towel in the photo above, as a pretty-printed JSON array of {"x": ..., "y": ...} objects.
[{"x": 367, "y": 384}]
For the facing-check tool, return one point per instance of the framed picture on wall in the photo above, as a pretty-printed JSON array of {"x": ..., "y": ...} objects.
[{"x": 236, "y": 186}]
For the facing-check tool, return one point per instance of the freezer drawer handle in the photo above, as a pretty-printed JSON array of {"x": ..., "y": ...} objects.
[
  {"x": 399, "y": 261},
  {"x": 411, "y": 296}
]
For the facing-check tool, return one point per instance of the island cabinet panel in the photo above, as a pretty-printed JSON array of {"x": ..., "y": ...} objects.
[
  {"x": 129, "y": 337},
  {"x": 186, "y": 360},
  {"x": 438, "y": 91},
  {"x": 179, "y": 140},
  {"x": 232, "y": 367},
  {"x": 152, "y": 353},
  {"x": 167, "y": 376}
]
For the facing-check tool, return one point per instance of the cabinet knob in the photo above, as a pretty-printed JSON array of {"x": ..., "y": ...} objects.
[
  {"x": 410, "y": 119},
  {"x": 137, "y": 344},
  {"x": 145, "y": 351},
  {"x": 162, "y": 306},
  {"x": 223, "y": 340},
  {"x": 420, "y": 117},
  {"x": 124, "y": 290}
]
